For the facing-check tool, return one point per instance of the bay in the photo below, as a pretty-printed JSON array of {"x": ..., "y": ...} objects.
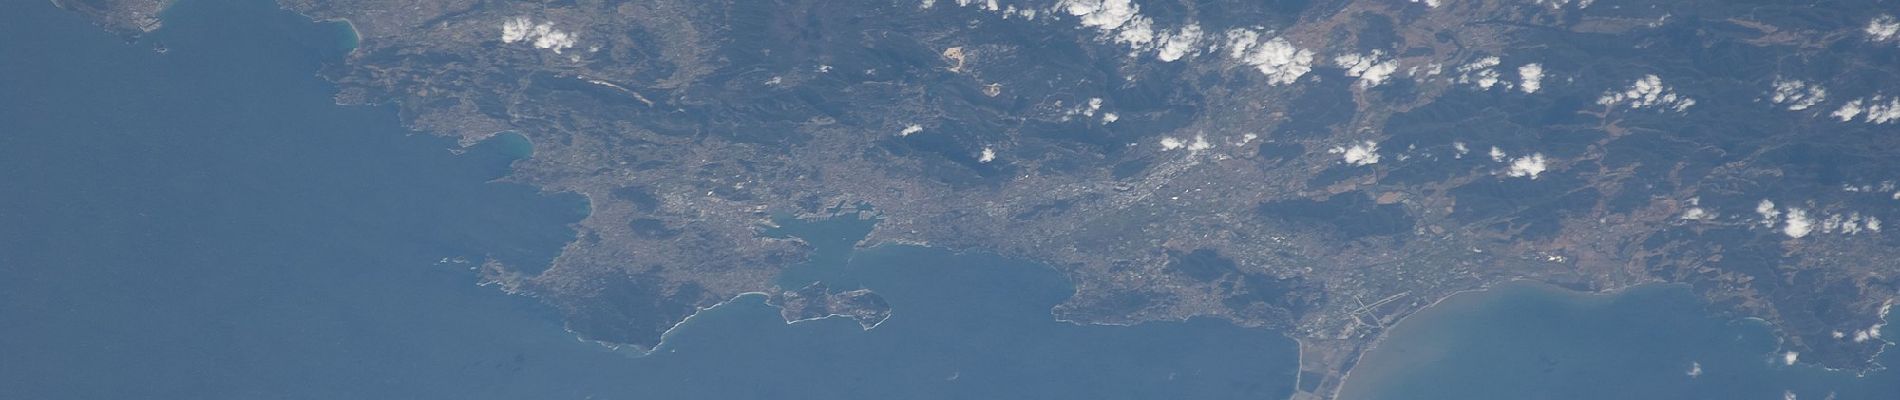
[
  {"x": 1528, "y": 341},
  {"x": 204, "y": 223}
]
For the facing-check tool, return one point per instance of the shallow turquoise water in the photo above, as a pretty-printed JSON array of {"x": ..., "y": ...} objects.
[
  {"x": 1525, "y": 341},
  {"x": 205, "y": 224}
]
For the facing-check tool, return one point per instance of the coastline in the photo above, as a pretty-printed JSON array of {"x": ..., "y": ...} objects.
[
  {"x": 1384, "y": 334},
  {"x": 356, "y": 36}
]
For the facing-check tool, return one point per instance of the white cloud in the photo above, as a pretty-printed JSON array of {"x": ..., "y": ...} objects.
[
  {"x": 1371, "y": 68},
  {"x": 1276, "y": 58},
  {"x": 1482, "y": 73},
  {"x": 514, "y": 30},
  {"x": 1239, "y": 41},
  {"x": 1110, "y": 118},
  {"x": 1200, "y": 143},
  {"x": 1170, "y": 143},
  {"x": 1120, "y": 20},
  {"x": 1695, "y": 211},
  {"x": 1695, "y": 369},
  {"x": 988, "y": 155},
  {"x": 1428, "y": 3},
  {"x": 1873, "y": 332},
  {"x": 1797, "y": 95},
  {"x": 1854, "y": 224},
  {"x": 1497, "y": 154},
  {"x": 908, "y": 130},
  {"x": 1180, "y": 43},
  {"x": 1848, "y": 111},
  {"x": 1103, "y": 14},
  {"x": 1527, "y": 166},
  {"x": 542, "y": 35},
  {"x": 1883, "y": 28},
  {"x": 1530, "y": 77},
  {"x": 1769, "y": 215},
  {"x": 1878, "y": 109},
  {"x": 1789, "y": 358},
  {"x": 1458, "y": 150},
  {"x": 1362, "y": 153},
  {"x": 1088, "y": 108},
  {"x": 1648, "y": 92},
  {"x": 1798, "y": 223}
]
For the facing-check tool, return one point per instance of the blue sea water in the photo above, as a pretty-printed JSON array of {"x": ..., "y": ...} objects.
[
  {"x": 1525, "y": 341},
  {"x": 206, "y": 224}
]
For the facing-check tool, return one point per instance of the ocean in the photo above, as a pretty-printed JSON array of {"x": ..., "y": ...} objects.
[
  {"x": 1528, "y": 341},
  {"x": 204, "y": 223}
]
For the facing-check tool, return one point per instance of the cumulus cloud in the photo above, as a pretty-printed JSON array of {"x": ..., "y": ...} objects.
[
  {"x": 1279, "y": 60},
  {"x": 1087, "y": 109},
  {"x": 1200, "y": 143},
  {"x": 1527, "y": 166},
  {"x": 1180, "y": 43},
  {"x": 1797, "y": 95},
  {"x": 1848, "y": 111},
  {"x": 1458, "y": 149},
  {"x": 1648, "y": 92},
  {"x": 1789, "y": 358},
  {"x": 1530, "y": 77},
  {"x": 542, "y": 35},
  {"x": 1362, "y": 153},
  {"x": 1428, "y": 3},
  {"x": 1878, "y": 109},
  {"x": 1798, "y": 224},
  {"x": 1695, "y": 212},
  {"x": 1119, "y": 20},
  {"x": 1371, "y": 68},
  {"x": 987, "y": 155},
  {"x": 1769, "y": 215},
  {"x": 1882, "y": 28},
  {"x": 1497, "y": 154},
  {"x": 1482, "y": 73},
  {"x": 908, "y": 130},
  {"x": 1170, "y": 143}
]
